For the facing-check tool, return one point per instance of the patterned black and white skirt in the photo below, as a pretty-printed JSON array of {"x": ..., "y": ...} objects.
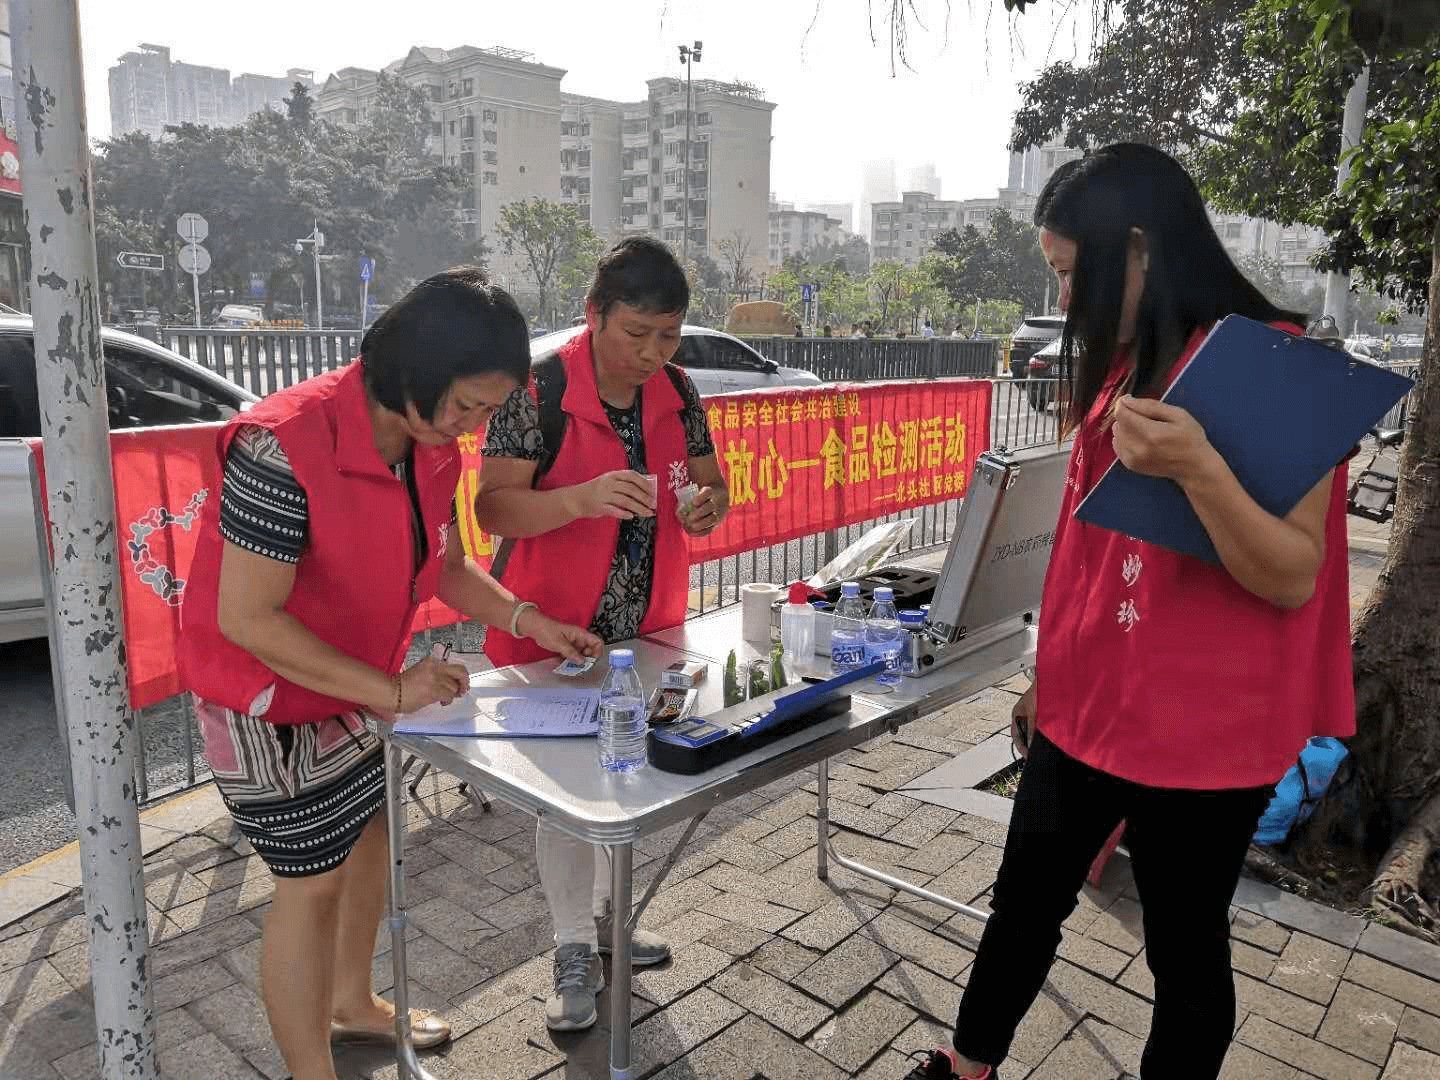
[{"x": 300, "y": 794}]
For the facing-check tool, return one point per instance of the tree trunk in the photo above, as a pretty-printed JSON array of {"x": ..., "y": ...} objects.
[{"x": 1396, "y": 747}]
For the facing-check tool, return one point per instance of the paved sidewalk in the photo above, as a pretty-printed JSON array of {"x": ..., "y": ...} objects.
[{"x": 775, "y": 974}]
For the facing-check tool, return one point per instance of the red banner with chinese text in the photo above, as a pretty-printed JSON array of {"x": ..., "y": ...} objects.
[{"x": 804, "y": 461}]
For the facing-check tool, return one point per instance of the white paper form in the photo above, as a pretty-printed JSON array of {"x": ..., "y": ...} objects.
[{"x": 509, "y": 713}]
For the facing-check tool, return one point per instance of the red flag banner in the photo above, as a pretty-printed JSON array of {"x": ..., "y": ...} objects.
[
  {"x": 804, "y": 461},
  {"x": 163, "y": 477}
]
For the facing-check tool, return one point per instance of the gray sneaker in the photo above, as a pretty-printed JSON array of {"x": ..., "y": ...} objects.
[
  {"x": 578, "y": 979},
  {"x": 645, "y": 948}
]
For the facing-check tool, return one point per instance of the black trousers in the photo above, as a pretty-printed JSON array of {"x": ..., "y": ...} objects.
[{"x": 1187, "y": 848}]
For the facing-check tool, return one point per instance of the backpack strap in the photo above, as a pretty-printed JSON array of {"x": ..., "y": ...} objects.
[{"x": 548, "y": 375}]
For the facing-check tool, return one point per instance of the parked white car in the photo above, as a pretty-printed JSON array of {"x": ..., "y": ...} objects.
[
  {"x": 240, "y": 315},
  {"x": 146, "y": 385},
  {"x": 716, "y": 362}
]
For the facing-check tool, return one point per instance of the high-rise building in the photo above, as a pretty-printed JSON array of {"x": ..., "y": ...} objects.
[
  {"x": 924, "y": 178},
  {"x": 1031, "y": 168},
  {"x": 877, "y": 185},
  {"x": 150, "y": 91},
  {"x": 495, "y": 115},
  {"x": 844, "y": 211},
  {"x": 250, "y": 94},
  {"x": 904, "y": 229},
  {"x": 623, "y": 165},
  {"x": 800, "y": 232}
]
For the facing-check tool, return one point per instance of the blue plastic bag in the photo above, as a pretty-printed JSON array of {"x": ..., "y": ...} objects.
[{"x": 1300, "y": 789}]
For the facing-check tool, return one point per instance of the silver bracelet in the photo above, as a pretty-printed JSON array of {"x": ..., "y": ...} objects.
[{"x": 521, "y": 606}]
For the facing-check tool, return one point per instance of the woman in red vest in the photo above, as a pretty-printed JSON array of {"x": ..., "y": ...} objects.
[
  {"x": 332, "y": 528},
  {"x": 584, "y": 469},
  {"x": 1170, "y": 693}
]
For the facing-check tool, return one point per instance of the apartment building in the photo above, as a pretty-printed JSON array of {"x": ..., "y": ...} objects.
[
  {"x": 591, "y": 152},
  {"x": 799, "y": 232},
  {"x": 495, "y": 115},
  {"x": 149, "y": 90}
]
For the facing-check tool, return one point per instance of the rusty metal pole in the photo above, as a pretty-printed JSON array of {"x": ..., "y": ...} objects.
[{"x": 79, "y": 490}]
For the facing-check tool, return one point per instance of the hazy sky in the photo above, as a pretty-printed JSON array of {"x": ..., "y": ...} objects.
[{"x": 837, "y": 101}]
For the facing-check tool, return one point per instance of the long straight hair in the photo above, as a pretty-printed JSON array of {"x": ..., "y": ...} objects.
[{"x": 1190, "y": 281}]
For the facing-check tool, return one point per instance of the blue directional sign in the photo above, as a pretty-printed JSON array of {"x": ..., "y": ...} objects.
[
  {"x": 807, "y": 293},
  {"x": 367, "y": 269}
]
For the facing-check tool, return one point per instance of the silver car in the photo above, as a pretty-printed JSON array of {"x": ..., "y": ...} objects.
[
  {"x": 716, "y": 362},
  {"x": 146, "y": 386}
]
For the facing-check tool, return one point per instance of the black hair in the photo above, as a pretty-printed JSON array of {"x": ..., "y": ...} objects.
[
  {"x": 1190, "y": 281},
  {"x": 641, "y": 273},
  {"x": 449, "y": 326}
]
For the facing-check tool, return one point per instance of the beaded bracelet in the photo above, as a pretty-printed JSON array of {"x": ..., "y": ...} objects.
[{"x": 399, "y": 692}]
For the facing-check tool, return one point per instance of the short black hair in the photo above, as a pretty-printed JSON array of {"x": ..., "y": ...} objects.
[
  {"x": 451, "y": 325},
  {"x": 641, "y": 273}
]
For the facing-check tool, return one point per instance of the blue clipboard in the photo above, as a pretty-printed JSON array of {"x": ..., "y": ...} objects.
[{"x": 1281, "y": 410}]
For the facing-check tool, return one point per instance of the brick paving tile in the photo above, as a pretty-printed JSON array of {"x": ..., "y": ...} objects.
[
  {"x": 673, "y": 1032},
  {"x": 736, "y": 940},
  {"x": 856, "y": 1035},
  {"x": 792, "y": 839},
  {"x": 907, "y": 940},
  {"x": 190, "y": 983},
  {"x": 756, "y": 914},
  {"x": 1402, "y": 950},
  {"x": 783, "y": 959},
  {"x": 236, "y": 1014},
  {"x": 708, "y": 1061},
  {"x": 746, "y": 856},
  {"x": 752, "y": 1040},
  {"x": 1281, "y": 1006},
  {"x": 831, "y": 924},
  {"x": 1361, "y": 1022},
  {"x": 505, "y": 950},
  {"x": 500, "y": 1050},
  {"x": 1077, "y": 1058},
  {"x": 900, "y": 806},
  {"x": 845, "y": 971},
  {"x": 1310, "y": 967},
  {"x": 672, "y": 901},
  {"x": 690, "y": 928},
  {"x": 1411, "y": 1063},
  {"x": 441, "y": 968},
  {"x": 449, "y": 922},
  {"x": 1137, "y": 978},
  {"x": 1420, "y": 1028},
  {"x": 1308, "y": 1055},
  {"x": 793, "y": 807},
  {"x": 1243, "y": 1063},
  {"x": 771, "y": 1000},
  {"x": 923, "y": 990},
  {"x": 1047, "y": 1024},
  {"x": 1259, "y": 931},
  {"x": 888, "y": 1066},
  {"x": 1093, "y": 955},
  {"x": 848, "y": 790},
  {"x": 941, "y": 853},
  {"x": 1088, "y": 994},
  {"x": 920, "y": 827},
  {"x": 1395, "y": 983},
  {"x": 688, "y": 968},
  {"x": 206, "y": 1057},
  {"x": 201, "y": 944},
  {"x": 1120, "y": 926},
  {"x": 1252, "y": 960},
  {"x": 732, "y": 879}
]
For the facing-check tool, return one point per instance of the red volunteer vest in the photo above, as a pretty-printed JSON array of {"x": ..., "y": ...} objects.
[
  {"x": 1159, "y": 668},
  {"x": 564, "y": 570},
  {"x": 353, "y": 585}
]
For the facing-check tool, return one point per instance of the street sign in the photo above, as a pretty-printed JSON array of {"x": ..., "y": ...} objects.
[
  {"x": 257, "y": 285},
  {"x": 192, "y": 228},
  {"x": 367, "y": 269},
  {"x": 194, "y": 259},
  {"x": 805, "y": 293},
  {"x": 140, "y": 260}
]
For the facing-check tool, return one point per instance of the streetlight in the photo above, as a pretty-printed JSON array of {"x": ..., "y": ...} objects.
[
  {"x": 316, "y": 240},
  {"x": 689, "y": 56}
]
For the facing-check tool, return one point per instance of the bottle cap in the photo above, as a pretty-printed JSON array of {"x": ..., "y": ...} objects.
[
  {"x": 912, "y": 618},
  {"x": 849, "y": 588},
  {"x": 884, "y": 595},
  {"x": 622, "y": 658},
  {"x": 800, "y": 593}
]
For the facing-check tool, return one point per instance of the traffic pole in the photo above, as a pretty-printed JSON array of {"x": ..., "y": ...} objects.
[
  {"x": 1352, "y": 127},
  {"x": 85, "y": 614},
  {"x": 195, "y": 284}
]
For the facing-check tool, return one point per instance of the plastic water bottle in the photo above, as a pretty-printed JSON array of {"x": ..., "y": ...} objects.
[
  {"x": 884, "y": 637},
  {"x": 847, "y": 630},
  {"x": 622, "y": 715},
  {"x": 797, "y": 627},
  {"x": 912, "y": 623}
]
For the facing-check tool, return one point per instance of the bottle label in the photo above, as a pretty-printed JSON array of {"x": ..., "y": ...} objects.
[{"x": 848, "y": 654}]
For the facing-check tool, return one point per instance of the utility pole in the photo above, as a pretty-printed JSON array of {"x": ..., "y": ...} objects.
[
  {"x": 79, "y": 490},
  {"x": 1337, "y": 285},
  {"x": 689, "y": 56}
]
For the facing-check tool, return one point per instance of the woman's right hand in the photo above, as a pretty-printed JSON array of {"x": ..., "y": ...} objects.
[
  {"x": 432, "y": 681},
  {"x": 622, "y": 494},
  {"x": 1022, "y": 722}
]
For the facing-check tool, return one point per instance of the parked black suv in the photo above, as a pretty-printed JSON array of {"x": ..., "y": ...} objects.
[{"x": 1033, "y": 334}]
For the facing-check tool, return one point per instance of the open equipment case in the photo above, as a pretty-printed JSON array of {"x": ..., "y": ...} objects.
[{"x": 988, "y": 588}]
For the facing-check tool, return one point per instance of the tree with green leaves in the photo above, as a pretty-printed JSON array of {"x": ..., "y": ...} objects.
[
  {"x": 1002, "y": 263},
  {"x": 556, "y": 249},
  {"x": 300, "y": 106},
  {"x": 1251, "y": 95}
]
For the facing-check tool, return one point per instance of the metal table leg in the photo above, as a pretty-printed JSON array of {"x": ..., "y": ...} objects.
[
  {"x": 408, "y": 1066},
  {"x": 621, "y": 861},
  {"x": 822, "y": 821}
]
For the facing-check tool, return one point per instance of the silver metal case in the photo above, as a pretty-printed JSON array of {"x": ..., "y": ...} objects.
[{"x": 994, "y": 572}]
